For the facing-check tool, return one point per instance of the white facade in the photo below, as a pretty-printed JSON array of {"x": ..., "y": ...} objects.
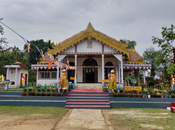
[{"x": 13, "y": 73}]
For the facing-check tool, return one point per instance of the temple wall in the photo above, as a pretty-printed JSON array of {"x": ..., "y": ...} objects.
[{"x": 83, "y": 46}]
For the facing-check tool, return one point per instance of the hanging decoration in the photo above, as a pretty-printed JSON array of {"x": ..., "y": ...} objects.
[
  {"x": 41, "y": 52},
  {"x": 132, "y": 72}
]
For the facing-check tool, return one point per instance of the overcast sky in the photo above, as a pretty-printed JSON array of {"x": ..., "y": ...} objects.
[{"x": 57, "y": 20}]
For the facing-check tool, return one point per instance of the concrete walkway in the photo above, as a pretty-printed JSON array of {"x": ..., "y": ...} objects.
[{"x": 83, "y": 119}]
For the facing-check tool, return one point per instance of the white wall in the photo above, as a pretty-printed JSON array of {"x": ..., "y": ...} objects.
[
  {"x": 96, "y": 46},
  {"x": 108, "y": 49}
]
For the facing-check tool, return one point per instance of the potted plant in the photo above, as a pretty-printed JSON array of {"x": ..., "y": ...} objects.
[
  {"x": 139, "y": 95},
  {"x": 27, "y": 92},
  {"x": 112, "y": 94},
  {"x": 24, "y": 89},
  {"x": 56, "y": 89},
  {"x": 162, "y": 95},
  {"x": 104, "y": 89},
  {"x": 34, "y": 88},
  {"x": 57, "y": 94},
  {"x": 48, "y": 89},
  {"x": 46, "y": 94},
  {"x": 43, "y": 90},
  {"x": 149, "y": 95},
  {"x": 128, "y": 94},
  {"x": 42, "y": 93},
  {"x": 51, "y": 93},
  {"x": 32, "y": 93},
  {"x": 134, "y": 94},
  {"x": 36, "y": 93},
  {"x": 158, "y": 95},
  {"x": 23, "y": 93},
  {"x": 117, "y": 94},
  {"x": 123, "y": 94},
  {"x": 172, "y": 95}
]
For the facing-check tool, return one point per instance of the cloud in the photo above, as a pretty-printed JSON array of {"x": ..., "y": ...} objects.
[{"x": 57, "y": 20}]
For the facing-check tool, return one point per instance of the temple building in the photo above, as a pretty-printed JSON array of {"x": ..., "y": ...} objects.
[{"x": 93, "y": 54}]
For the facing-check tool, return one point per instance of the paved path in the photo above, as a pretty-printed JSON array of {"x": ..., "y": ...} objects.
[{"x": 83, "y": 119}]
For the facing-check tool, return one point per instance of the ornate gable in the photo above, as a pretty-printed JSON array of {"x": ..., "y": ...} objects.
[{"x": 90, "y": 33}]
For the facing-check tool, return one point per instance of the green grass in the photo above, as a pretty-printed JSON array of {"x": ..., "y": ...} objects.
[
  {"x": 134, "y": 118},
  {"x": 26, "y": 111}
]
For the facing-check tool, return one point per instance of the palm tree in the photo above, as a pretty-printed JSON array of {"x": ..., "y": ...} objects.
[
  {"x": 123, "y": 41},
  {"x": 48, "y": 45},
  {"x": 131, "y": 44}
]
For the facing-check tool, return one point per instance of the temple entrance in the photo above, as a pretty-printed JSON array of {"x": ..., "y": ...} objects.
[
  {"x": 90, "y": 75},
  {"x": 90, "y": 72}
]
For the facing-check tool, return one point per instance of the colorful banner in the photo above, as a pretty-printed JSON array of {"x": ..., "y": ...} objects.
[
  {"x": 130, "y": 88},
  {"x": 104, "y": 81}
]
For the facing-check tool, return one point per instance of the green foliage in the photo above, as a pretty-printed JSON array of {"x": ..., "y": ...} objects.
[
  {"x": 131, "y": 44},
  {"x": 164, "y": 56},
  {"x": 149, "y": 56}
]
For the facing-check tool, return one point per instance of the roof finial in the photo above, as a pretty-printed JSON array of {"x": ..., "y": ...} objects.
[{"x": 89, "y": 27}]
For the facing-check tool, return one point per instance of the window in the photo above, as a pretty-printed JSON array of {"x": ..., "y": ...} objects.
[
  {"x": 44, "y": 75},
  {"x": 53, "y": 75}
]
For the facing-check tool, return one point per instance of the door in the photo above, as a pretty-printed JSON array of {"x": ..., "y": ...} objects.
[
  {"x": 84, "y": 75},
  {"x": 96, "y": 75}
]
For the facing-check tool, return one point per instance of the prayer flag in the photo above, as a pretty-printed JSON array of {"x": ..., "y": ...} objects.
[{"x": 23, "y": 79}]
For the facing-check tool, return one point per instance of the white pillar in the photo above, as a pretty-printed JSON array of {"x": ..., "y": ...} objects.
[
  {"x": 75, "y": 81},
  {"x": 144, "y": 76},
  {"x": 58, "y": 71},
  {"x": 7, "y": 76},
  {"x": 119, "y": 73},
  {"x": 138, "y": 78},
  {"x": 122, "y": 70},
  {"x": 102, "y": 67},
  {"x": 16, "y": 76}
]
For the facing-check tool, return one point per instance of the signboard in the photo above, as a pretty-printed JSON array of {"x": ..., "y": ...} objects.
[
  {"x": 137, "y": 88},
  {"x": 104, "y": 80},
  {"x": 127, "y": 88},
  {"x": 72, "y": 78}
]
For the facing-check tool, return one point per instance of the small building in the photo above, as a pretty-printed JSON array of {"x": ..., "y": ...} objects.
[
  {"x": 93, "y": 54},
  {"x": 17, "y": 73}
]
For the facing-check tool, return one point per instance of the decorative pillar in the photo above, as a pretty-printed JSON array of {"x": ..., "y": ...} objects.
[
  {"x": 7, "y": 77},
  {"x": 138, "y": 78},
  {"x": 119, "y": 73},
  {"x": 102, "y": 67},
  {"x": 122, "y": 70},
  {"x": 144, "y": 76},
  {"x": 16, "y": 76},
  {"x": 58, "y": 71},
  {"x": 75, "y": 81}
]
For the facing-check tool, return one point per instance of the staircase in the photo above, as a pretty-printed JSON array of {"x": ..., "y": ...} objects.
[{"x": 88, "y": 100}]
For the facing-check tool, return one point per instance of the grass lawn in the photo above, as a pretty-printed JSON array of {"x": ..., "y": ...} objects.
[
  {"x": 142, "y": 119},
  {"x": 26, "y": 111}
]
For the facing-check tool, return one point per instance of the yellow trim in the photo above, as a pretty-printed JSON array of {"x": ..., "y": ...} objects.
[{"x": 90, "y": 33}]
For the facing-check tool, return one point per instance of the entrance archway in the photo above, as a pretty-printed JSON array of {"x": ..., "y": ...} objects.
[{"x": 90, "y": 72}]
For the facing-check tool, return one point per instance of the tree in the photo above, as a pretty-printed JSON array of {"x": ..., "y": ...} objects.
[
  {"x": 48, "y": 44},
  {"x": 149, "y": 56},
  {"x": 3, "y": 43},
  {"x": 34, "y": 54},
  {"x": 166, "y": 53},
  {"x": 131, "y": 44}
]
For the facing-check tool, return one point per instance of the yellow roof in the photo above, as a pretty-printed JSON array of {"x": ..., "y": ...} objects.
[{"x": 90, "y": 33}]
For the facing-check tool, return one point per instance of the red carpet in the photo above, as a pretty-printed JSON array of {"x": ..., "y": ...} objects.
[{"x": 87, "y": 90}]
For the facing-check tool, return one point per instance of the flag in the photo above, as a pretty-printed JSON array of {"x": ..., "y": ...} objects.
[
  {"x": 132, "y": 72},
  {"x": 49, "y": 66},
  {"x": 161, "y": 74},
  {"x": 172, "y": 79},
  {"x": 27, "y": 43},
  {"x": 67, "y": 61},
  {"x": 23, "y": 79}
]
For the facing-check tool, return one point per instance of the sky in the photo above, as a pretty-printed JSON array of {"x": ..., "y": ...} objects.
[{"x": 57, "y": 20}]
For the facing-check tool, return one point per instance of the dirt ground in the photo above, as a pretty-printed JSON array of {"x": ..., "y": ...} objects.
[
  {"x": 114, "y": 119},
  {"x": 33, "y": 122}
]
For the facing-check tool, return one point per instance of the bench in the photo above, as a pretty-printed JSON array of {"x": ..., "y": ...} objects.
[{"x": 172, "y": 107}]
